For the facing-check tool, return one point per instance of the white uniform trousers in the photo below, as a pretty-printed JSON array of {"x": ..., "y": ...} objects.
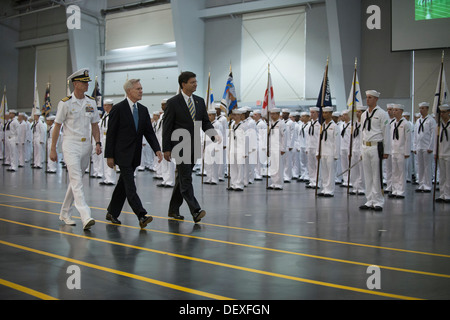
[
  {"x": 344, "y": 165},
  {"x": 444, "y": 177},
  {"x": 237, "y": 172},
  {"x": 388, "y": 173},
  {"x": 261, "y": 164},
  {"x": 328, "y": 169},
  {"x": 51, "y": 165},
  {"x": 399, "y": 172},
  {"x": 21, "y": 154},
  {"x": 287, "y": 158},
  {"x": 97, "y": 164},
  {"x": 303, "y": 164},
  {"x": 38, "y": 150},
  {"x": 13, "y": 153},
  {"x": 276, "y": 170},
  {"x": 312, "y": 166},
  {"x": 296, "y": 171},
  {"x": 371, "y": 164},
  {"x": 77, "y": 157},
  {"x": 424, "y": 162},
  {"x": 168, "y": 172},
  {"x": 356, "y": 173},
  {"x": 109, "y": 174}
]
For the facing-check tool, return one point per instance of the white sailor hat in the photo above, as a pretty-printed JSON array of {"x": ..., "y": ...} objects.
[
  {"x": 328, "y": 109},
  {"x": 211, "y": 111},
  {"x": 304, "y": 113},
  {"x": 247, "y": 109},
  {"x": 314, "y": 109},
  {"x": 217, "y": 105},
  {"x": 295, "y": 113},
  {"x": 444, "y": 107},
  {"x": 164, "y": 101},
  {"x": 51, "y": 118},
  {"x": 238, "y": 111},
  {"x": 345, "y": 111},
  {"x": 108, "y": 101},
  {"x": 406, "y": 114},
  {"x": 156, "y": 113},
  {"x": 21, "y": 113},
  {"x": 257, "y": 111},
  {"x": 37, "y": 112},
  {"x": 80, "y": 75},
  {"x": 275, "y": 110},
  {"x": 398, "y": 106},
  {"x": 417, "y": 115},
  {"x": 424, "y": 104},
  {"x": 13, "y": 111},
  {"x": 390, "y": 105},
  {"x": 285, "y": 110},
  {"x": 373, "y": 93}
]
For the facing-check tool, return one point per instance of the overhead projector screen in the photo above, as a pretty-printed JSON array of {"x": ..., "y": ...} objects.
[{"x": 420, "y": 24}]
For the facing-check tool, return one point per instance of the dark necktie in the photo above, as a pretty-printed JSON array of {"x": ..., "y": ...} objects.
[
  {"x": 444, "y": 131},
  {"x": 368, "y": 120},
  {"x": 396, "y": 125},
  {"x": 135, "y": 116},
  {"x": 324, "y": 131},
  {"x": 273, "y": 126},
  {"x": 234, "y": 130},
  {"x": 421, "y": 125},
  {"x": 343, "y": 130},
  {"x": 311, "y": 128},
  {"x": 356, "y": 132},
  {"x": 191, "y": 109}
]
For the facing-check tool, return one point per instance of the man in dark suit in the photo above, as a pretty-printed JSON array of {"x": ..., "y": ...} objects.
[
  {"x": 128, "y": 122},
  {"x": 185, "y": 114}
]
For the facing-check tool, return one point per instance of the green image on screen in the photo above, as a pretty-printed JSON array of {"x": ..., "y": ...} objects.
[{"x": 432, "y": 9}]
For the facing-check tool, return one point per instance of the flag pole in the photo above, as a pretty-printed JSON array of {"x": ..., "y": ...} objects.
[
  {"x": 324, "y": 85},
  {"x": 229, "y": 145},
  {"x": 4, "y": 121},
  {"x": 352, "y": 125},
  {"x": 268, "y": 127},
  {"x": 436, "y": 160},
  {"x": 204, "y": 136}
]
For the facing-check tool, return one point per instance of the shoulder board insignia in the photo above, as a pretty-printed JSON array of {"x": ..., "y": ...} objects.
[
  {"x": 66, "y": 98},
  {"x": 90, "y": 97}
]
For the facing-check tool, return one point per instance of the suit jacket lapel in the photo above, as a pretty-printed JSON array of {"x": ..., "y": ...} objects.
[{"x": 128, "y": 112}]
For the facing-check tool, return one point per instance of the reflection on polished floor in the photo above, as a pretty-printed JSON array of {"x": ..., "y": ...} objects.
[{"x": 255, "y": 245}]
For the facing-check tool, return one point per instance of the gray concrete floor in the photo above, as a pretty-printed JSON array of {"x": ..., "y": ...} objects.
[{"x": 252, "y": 245}]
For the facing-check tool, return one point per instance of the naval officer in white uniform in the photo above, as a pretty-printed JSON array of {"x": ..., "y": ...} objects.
[{"x": 79, "y": 115}]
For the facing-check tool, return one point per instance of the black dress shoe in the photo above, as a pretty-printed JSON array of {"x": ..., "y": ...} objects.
[
  {"x": 328, "y": 195},
  {"x": 112, "y": 219},
  {"x": 439, "y": 200},
  {"x": 377, "y": 208},
  {"x": 399, "y": 197},
  {"x": 144, "y": 221},
  {"x": 198, "y": 215},
  {"x": 364, "y": 207},
  {"x": 176, "y": 216}
]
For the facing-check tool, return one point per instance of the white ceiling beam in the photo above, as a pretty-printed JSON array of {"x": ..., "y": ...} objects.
[{"x": 253, "y": 6}]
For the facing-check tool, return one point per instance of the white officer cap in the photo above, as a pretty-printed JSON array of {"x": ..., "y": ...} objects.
[
  {"x": 80, "y": 75},
  {"x": 108, "y": 101},
  {"x": 424, "y": 104},
  {"x": 444, "y": 107},
  {"x": 327, "y": 109},
  {"x": 373, "y": 93},
  {"x": 285, "y": 111},
  {"x": 314, "y": 109}
]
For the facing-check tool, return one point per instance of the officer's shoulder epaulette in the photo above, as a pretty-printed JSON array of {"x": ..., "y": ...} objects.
[
  {"x": 90, "y": 97},
  {"x": 66, "y": 98}
]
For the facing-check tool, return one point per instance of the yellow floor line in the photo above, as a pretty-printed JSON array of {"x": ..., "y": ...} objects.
[{"x": 26, "y": 290}]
